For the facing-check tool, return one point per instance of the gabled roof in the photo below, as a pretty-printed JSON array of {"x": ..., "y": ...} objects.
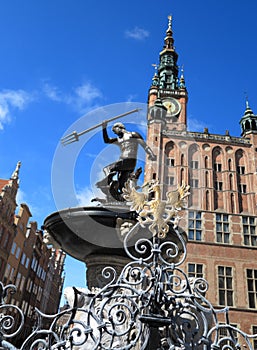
[{"x": 3, "y": 183}]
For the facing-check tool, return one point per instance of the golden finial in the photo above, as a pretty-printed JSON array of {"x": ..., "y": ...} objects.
[
  {"x": 170, "y": 21},
  {"x": 246, "y": 100}
]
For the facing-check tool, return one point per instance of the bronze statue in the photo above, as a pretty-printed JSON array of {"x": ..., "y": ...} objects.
[{"x": 124, "y": 167}]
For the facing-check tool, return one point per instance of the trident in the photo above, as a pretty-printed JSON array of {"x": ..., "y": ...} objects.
[{"x": 74, "y": 136}]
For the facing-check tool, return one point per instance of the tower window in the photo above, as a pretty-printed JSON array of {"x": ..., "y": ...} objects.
[
  {"x": 194, "y": 164},
  {"x": 217, "y": 167},
  {"x": 241, "y": 169},
  {"x": 218, "y": 185},
  {"x": 170, "y": 162},
  {"x": 242, "y": 188},
  {"x": 170, "y": 180},
  {"x": 195, "y": 183}
]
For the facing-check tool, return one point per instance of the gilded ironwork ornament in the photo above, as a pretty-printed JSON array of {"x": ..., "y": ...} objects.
[{"x": 156, "y": 212}]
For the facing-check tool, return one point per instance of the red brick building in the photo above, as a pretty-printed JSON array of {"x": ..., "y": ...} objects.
[
  {"x": 222, "y": 171},
  {"x": 25, "y": 261}
]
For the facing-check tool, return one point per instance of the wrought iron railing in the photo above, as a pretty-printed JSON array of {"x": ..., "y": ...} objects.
[{"x": 152, "y": 304}]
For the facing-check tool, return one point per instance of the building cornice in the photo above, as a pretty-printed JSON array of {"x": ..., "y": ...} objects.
[{"x": 205, "y": 137}]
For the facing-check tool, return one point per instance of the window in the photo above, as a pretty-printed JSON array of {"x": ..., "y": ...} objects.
[
  {"x": 170, "y": 180},
  {"x": 29, "y": 285},
  {"x": 22, "y": 282},
  {"x": 217, "y": 167},
  {"x": 254, "y": 331},
  {"x": 222, "y": 228},
  {"x": 225, "y": 285},
  {"x": 252, "y": 287},
  {"x": 170, "y": 161},
  {"x": 39, "y": 270},
  {"x": 194, "y": 164},
  {"x": 18, "y": 250},
  {"x": 43, "y": 276},
  {"x": 240, "y": 169},
  {"x": 218, "y": 185},
  {"x": 242, "y": 188},
  {"x": 249, "y": 230},
  {"x": 27, "y": 263},
  {"x": 195, "y": 225},
  {"x": 194, "y": 183},
  {"x": 6, "y": 239},
  {"x": 34, "y": 264},
  {"x": 195, "y": 270},
  {"x": 23, "y": 258},
  {"x": 35, "y": 288},
  {"x": 18, "y": 279},
  {"x": 13, "y": 248},
  {"x": 39, "y": 294},
  {"x": 11, "y": 274},
  {"x": 225, "y": 334},
  {"x": 24, "y": 306},
  {"x": 7, "y": 270}
]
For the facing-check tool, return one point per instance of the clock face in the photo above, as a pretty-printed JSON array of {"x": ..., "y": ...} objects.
[{"x": 173, "y": 106}]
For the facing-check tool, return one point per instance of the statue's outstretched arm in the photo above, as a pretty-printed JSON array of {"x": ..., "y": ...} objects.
[{"x": 147, "y": 149}]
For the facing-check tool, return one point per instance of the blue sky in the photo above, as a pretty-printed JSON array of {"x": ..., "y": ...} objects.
[{"x": 62, "y": 59}]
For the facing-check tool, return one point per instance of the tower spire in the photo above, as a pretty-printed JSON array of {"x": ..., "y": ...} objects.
[
  {"x": 168, "y": 69},
  {"x": 249, "y": 120},
  {"x": 169, "y": 41},
  {"x": 15, "y": 174}
]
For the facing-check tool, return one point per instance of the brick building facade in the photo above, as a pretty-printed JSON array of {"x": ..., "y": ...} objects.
[
  {"x": 25, "y": 260},
  {"x": 222, "y": 171}
]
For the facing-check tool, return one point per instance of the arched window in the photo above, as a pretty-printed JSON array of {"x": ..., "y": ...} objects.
[
  {"x": 232, "y": 200},
  {"x": 206, "y": 179},
  {"x": 206, "y": 161},
  {"x": 182, "y": 159},
  {"x": 230, "y": 164},
  {"x": 194, "y": 157},
  {"x": 217, "y": 159},
  {"x": 170, "y": 154},
  {"x": 230, "y": 182},
  {"x": 247, "y": 126},
  {"x": 207, "y": 200},
  {"x": 182, "y": 176},
  {"x": 241, "y": 170}
]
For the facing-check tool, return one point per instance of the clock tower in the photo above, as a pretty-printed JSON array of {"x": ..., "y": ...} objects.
[{"x": 167, "y": 105}]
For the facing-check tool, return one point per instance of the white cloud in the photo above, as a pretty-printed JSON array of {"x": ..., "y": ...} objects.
[
  {"x": 52, "y": 92},
  {"x": 137, "y": 33},
  {"x": 10, "y": 100},
  {"x": 82, "y": 98},
  {"x": 87, "y": 93},
  {"x": 84, "y": 196},
  {"x": 196, "y": 125}
]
